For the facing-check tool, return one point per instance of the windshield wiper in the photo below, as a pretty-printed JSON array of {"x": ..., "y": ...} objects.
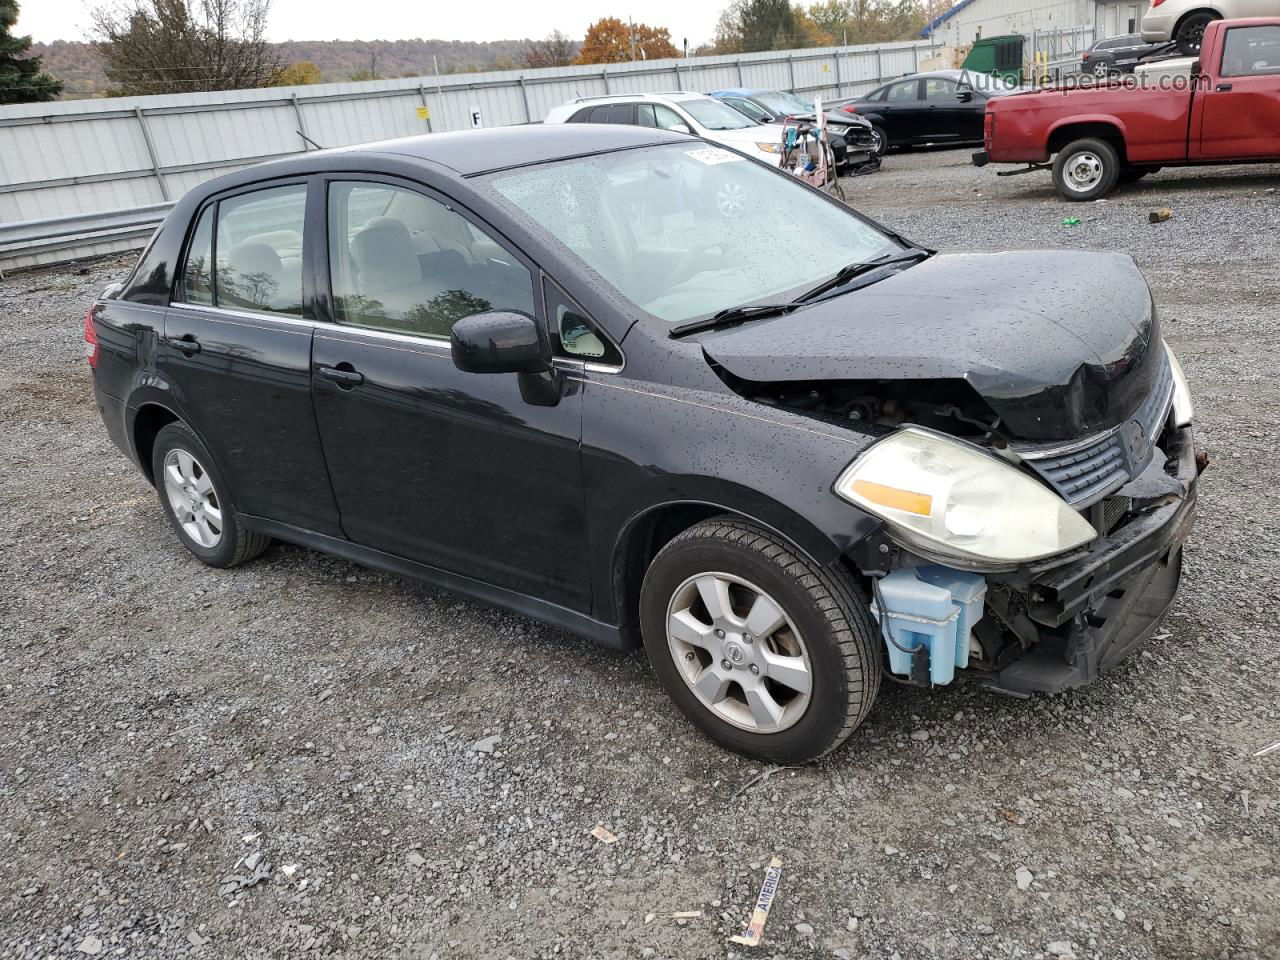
[
  {"x": 854, "y": 270},
  {"x": 732, "y": 315}
]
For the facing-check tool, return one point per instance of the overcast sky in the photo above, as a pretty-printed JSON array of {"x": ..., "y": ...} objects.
[{"x": 396, "y": 20}]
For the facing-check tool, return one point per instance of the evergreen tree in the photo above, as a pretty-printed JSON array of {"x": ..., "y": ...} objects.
[{"x": 20, "y": 78}]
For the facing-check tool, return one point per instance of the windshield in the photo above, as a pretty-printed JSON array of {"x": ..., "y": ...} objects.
[
  {"x": 715, "y": 115},
  {"x": 780, "y": 102},
  {"x": 686, "y": 231}
]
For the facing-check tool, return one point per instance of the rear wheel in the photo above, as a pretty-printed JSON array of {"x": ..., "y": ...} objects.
[
  {"x": 1086, "y": 169},
  {"x": 1190, "y": 32},
  {"x": 1102, "y": 68},
  {"x": 770, "y": 654},
  {"x": 196, "y": 500}
]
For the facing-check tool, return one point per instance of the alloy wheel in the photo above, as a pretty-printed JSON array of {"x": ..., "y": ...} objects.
[
  {"x": 194, "y": 500},
  {"x": 731, "y": 199},
  {"x": 739, "y": 652}
]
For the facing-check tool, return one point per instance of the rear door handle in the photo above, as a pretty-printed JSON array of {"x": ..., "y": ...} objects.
[
  {"x": 1223, "y": 88},
  {"x": 188, "y": 344},
  {"x": 344, "y": 375}
]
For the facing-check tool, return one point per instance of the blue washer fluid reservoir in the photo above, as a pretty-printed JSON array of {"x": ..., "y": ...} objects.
[{"x": 933, "y": 607}]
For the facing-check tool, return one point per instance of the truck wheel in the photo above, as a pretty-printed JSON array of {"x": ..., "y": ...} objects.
[
  {"x": 770, "y": 654},
  {"x": 1085, "y": 169},
  {"x": 1190, "y": 32}
]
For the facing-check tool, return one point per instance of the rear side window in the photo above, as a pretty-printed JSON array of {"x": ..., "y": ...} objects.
[
  {"x": 403, "y": 262},
  {"x": 611, "y": 113},
  {"x": 1251, "y": 52},
  {"x": 246, "y": 252},
  {"x": 197, "y": 274},
  {"x": 258, "y": 250},
  {"x": 900, "y": 92}
]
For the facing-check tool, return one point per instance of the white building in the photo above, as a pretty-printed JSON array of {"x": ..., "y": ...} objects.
[{"x": 969, "y": 20}]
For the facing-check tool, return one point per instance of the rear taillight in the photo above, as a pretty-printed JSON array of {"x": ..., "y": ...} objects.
[
  {"x": 1085, "y": 56},
  {"x": 988, "y": 128},
  {"x": 1156, "y": 3},
  {"x": 849, "y": 108},
  {"x": 90, "y": 339}
]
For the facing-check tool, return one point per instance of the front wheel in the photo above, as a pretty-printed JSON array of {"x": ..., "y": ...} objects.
[
  {"x": 1085, "y": 169},
  {"x": 1190, "y": 33},
  {"x": 770, "y": 654}
]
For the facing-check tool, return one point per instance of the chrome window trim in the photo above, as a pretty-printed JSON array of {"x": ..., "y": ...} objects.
[{"x": 243, "y": 314}]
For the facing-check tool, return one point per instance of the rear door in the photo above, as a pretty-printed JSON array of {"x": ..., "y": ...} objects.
[
  {"x": 451, "y": 469},
  {"x": 237, "y": 352},
  {"x": 1238, "y": 116},
  {"x": 903, "y": 112}
]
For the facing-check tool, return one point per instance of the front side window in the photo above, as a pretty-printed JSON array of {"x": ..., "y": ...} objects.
[
  {"x": 668, "y": 119},
  {"x": 714, "y": 115},
  {"x": 782, "y": 102},
  {"x": 403, "y": 262},
  {"x": 1251, "y": 52},
  {"x": 197, "y": 274},
  {"x": 577, "y": 335},
  {"x": 686, "y": 230},
  {"x": 940, "y": 88},
  {"x": 749, "y": 109}
]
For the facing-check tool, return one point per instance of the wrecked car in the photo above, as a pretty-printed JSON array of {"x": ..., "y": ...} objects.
[{"x": 788, "y": 451}]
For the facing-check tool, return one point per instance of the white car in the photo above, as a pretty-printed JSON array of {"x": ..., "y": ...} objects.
[
  {"x": 693, "y": 113},
  {"x": 1183, "y": 21}
]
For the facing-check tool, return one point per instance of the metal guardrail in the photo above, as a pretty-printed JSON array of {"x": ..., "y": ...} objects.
[{"x": 61, "y": 233}]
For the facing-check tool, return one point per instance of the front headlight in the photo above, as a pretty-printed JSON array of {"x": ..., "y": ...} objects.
[
  {"x": 949, "y": 500},
  {"x": 769, "y": 147},
  {"x": 1183, "y": 409}
]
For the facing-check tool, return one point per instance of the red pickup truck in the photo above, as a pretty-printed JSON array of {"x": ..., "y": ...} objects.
[{"x": 1226, "y": 111}]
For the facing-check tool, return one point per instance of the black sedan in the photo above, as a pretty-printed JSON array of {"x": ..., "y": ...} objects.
[
  {"x": 542, "y": 367},
  {"x": 945, "y": 106},
  {"x": 1117, "y": 55}
]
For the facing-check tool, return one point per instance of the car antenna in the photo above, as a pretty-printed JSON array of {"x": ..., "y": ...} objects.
[{"x": 308, "y": 139}]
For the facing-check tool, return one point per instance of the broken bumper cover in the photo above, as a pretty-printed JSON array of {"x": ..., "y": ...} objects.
[{"x": 1082, "y": 617}]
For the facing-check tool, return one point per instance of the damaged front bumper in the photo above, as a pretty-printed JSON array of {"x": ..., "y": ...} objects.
[{"x": 1060, "y": 623}]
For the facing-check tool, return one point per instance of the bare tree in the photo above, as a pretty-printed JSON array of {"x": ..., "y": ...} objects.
[
  {"x": 557, "y": 50},
  {"x": 178, "y": 46}
]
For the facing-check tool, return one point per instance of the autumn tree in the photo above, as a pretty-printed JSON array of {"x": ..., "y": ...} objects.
[
  {"x": 609, "y": 40},
  {"x": 21, "y": 80},
  {"x": 177, "y": 46},
  {"x": 557, "y": 50},
  {"x": 870, "y": 21},
  {"x": 299, "y": 74}
]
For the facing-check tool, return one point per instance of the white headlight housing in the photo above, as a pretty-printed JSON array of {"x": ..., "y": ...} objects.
[
  {"x": 956, "y": 503},
  {"x": 1183, "y": 408},
  {"x": 770, "y": 147}
]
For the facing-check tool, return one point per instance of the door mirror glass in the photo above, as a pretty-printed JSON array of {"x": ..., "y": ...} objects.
[
  {"x": 500, "y": 341},
  {"x": 964, "y": 96}
]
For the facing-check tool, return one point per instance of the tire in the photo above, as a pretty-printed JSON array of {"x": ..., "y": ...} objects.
[
  {"x": 880, "y": 145},
  {"x": 210, "y": 527},
  {"x": 1102, "y": 68},
  {"x": 824, "y": 633},
  {"x": 1190, "y": 32},
  {"x": 1085, "y": 169}
]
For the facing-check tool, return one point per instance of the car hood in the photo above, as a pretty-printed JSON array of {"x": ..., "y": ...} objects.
[
  {"x": 1059, "y": 343},
  {"x": 744, "y": 137}
]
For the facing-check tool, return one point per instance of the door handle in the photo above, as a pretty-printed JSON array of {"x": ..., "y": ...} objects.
[
  {"x": 1223, "y": 88},
  {"x": 344, "y": 375},
  {"x": 188, "y": 344}
]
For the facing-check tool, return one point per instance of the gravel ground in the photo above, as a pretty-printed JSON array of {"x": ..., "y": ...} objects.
[{"x": 301, "y": 755}]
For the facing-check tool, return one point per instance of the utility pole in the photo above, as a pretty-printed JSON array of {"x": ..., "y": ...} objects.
[{"x": 373, "y": 65}]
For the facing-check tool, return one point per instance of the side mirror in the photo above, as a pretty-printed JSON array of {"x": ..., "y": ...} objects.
[
  {"x": 965, "y": 96},
  {"x": 680, "y": 128},
  {"x": 500, "y": 341},
  {"x": 1194, "y": 69}
]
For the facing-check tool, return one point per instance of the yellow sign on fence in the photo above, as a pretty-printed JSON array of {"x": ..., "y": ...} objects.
[{"x": 424, "y": 113}]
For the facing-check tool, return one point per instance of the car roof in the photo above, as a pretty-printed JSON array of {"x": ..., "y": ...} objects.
[{"x": 469, "y": 152}]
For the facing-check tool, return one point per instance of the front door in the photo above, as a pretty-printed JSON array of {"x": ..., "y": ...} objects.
[
  {"x": 451, "y": 469},
  {"x": 1238, "y": 116},
  {"x": 945, "y": 113},
  {"x": 236, "y": 355}
]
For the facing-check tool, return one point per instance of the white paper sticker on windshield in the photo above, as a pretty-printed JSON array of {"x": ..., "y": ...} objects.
[{"x": 713, "y": 155}]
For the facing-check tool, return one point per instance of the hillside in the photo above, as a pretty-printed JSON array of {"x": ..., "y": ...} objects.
[{"x": 77, "y": 66}]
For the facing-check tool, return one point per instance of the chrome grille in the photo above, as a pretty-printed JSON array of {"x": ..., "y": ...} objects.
[{"x": 1085, "y": 472}]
